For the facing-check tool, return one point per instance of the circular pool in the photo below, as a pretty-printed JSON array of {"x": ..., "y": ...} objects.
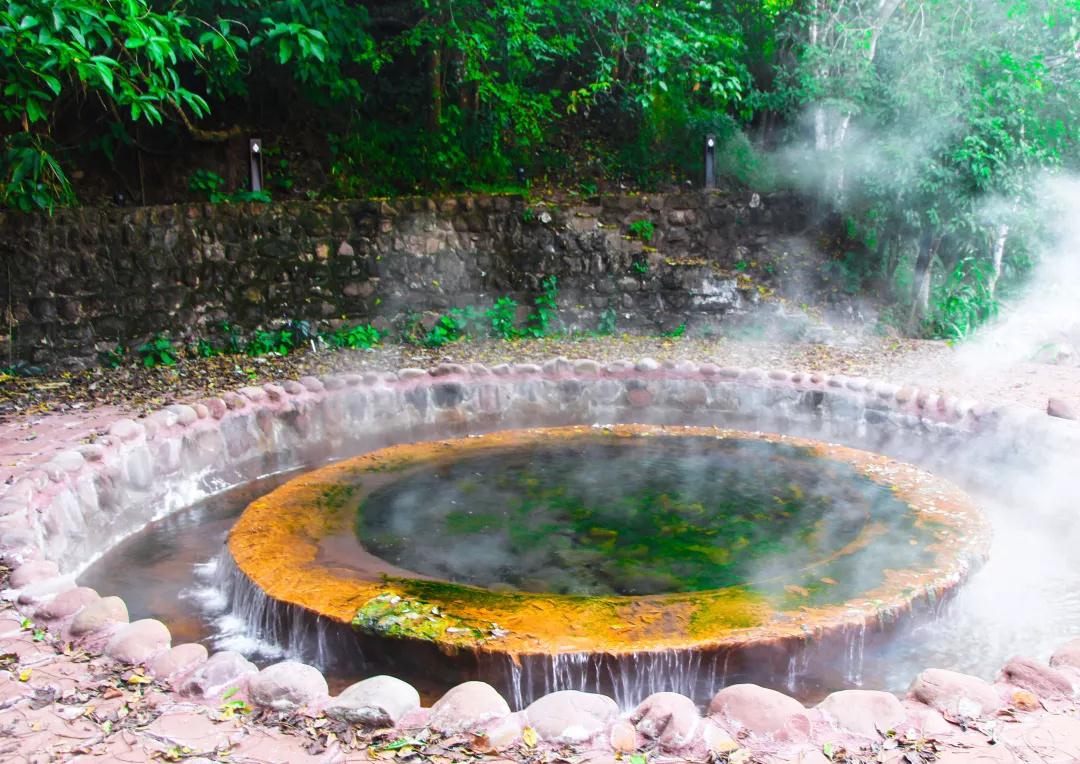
[{"x": 608, "y": 540}]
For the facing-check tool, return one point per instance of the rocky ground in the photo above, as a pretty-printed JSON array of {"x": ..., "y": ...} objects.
[{"x": 60, "y": 700}]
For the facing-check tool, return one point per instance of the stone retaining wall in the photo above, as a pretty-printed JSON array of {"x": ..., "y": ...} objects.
[
  {"x": 83, "y": 280},
  {"x": 56, "y": 518}
]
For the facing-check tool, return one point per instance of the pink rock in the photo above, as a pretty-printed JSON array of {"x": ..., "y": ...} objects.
[
  {"x": 467, "y": 706},
  {"x": 178, "y": 660},
  {"x": 287, "y": 686},
  {"x": 45, "y": 589},
  {"x": 126, "y": 429},
  {"x": 1067, "y": 655},
  {"x": 623, "y": 737},
  {"x": 761, "y": 711},
  {"x": 669, "y": 718},
  {"x": 1031, "y": 675},
  {"x": 220, "y": 672},
  {"x": 945, "y": 691},
  {"x": 252, "y": 393},
  {"x": 292, "y": 387},
  {"x": 864, "y": 712},
  {"x": 570, "y": 716},
  {"x": 380, "y": 701},
  {"x": 638, "y": 397},
  {"x": 68, "y": 604},
  {"x": 217, "y": 407},
  {"x": 505, "y": 732},
  {"x": 33, "y": 571},
  {"x": 1061, "y": 409},
  {"x": 139, "y": 641},
  {"x": 313, "y": 384}
]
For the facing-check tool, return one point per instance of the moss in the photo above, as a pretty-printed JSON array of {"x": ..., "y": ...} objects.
[{"x": 391, "y": 615}]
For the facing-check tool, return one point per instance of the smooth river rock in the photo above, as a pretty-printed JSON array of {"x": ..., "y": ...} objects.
[
  {"x": 864, "y": 712},
  {"x": 669, "y": 718},
  {"x": 468, "y": 706},
  {"x": 287, "y": 686},
  {"x": 68, "y": 604},
  {"x": 221, "y": 671},
  {"x": 178, "y": 660},
  {"x": 98, "y": 615},
  {"x": 380, "y": 701},
  {"x": 948, "y": 691},
  {"x": 1044, "y": 681},
  {"x": 571, "y": 716},
  {"x": 761, "y": 711},
  {"x": 138, "y": 641}
]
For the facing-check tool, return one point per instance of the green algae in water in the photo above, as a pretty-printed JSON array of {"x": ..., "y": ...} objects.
[{"x": 602, "y": 516}]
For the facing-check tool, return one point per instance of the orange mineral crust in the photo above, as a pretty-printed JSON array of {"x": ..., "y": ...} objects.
[{"x": 297, "y": 545}]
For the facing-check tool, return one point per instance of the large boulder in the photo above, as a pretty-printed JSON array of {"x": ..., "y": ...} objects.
[
  {"x": 760, "y": 711},
  {"x": 139, "y": 641},
  {"x": 669, "y": 718},
  {"x": 1030, "y": 675},
  {"x": 376, "y": 702},
  {"x": 98, "y": 615},
  {"x": 221, "y": 671},
  {"x": 863, "y": 712},
  {"x": 571, "y": 716},
  {"x": 287, "y": 686},
  {"x": 467, "y": 707},
  {"x": 953, "y": 693}
]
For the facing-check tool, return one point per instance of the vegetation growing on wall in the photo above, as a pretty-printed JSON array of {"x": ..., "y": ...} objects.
[{"x": 925, "y": 126}]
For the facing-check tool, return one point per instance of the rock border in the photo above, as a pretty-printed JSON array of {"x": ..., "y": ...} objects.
[{"x": 56, "y": 517}]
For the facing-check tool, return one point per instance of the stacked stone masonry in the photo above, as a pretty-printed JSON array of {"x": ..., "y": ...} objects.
[
  {"x": 84, "y": 280},
  {"x": 57, "y": 515}
]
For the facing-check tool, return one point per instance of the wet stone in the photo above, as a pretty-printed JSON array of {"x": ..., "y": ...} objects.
[
  {"x": 760, "y": 711},
  {"x": 287, "y": 686},
  {"x": 68, "y": 604},
  {"x": 863, "y": 712},
  {"x": 1044, "y": 681},
  {"x": 466, "y": 706},
  {"x": 221, "y": 670},
  {"x": 98, "y": 615},
  {"x": 178, "y": 659},
  {"x": 571, "y": 716},
  {"x": 380, "y": 701},
  {"x": 138, "y": 641},
  {"x": 951, "y": 692},
  {"x": 669, "y": 718}
]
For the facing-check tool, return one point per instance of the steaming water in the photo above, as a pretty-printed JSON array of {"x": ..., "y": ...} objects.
[
  {"x": 1025, "y": 600},
  {"x": 632, "y": 516}
]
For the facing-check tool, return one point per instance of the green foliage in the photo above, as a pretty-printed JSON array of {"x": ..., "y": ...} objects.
[
  {"x": 642, "y": 229},
  {"x": 962, "y": 302},
  {"x": 675, "y": 333},
  {"x": 120, "y": 53},
  {"x": 545, "y": 309},
  {"x": 606, "y": 327},
  {"x": 640, "y": 266},
  {"x": 207, "y": 183},
  {"x": 212, "y": 185},
  {"x": 158, "y": 351},
  {"x": 114, "y": 358},
  {"x": 449, "y": 328},
  {"x": 503, "y": 318},
  {"x": 359, "y": 337}
]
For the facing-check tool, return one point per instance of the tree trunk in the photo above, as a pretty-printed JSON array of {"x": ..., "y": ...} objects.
[
  {"x": 920, "y": 298},
  {"x": 1000, "y": 236}
]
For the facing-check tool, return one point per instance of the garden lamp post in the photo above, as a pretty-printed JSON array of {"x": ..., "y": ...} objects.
[
  {"x": 255, "y": 158},
  {"x": 710, "y": 161}
]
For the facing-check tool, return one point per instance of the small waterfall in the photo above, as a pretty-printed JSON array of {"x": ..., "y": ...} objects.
[
  {"x": 254, "y": 624},
  {"x": 856, "y": 646},
  {"x": 628, "y": 678}
]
